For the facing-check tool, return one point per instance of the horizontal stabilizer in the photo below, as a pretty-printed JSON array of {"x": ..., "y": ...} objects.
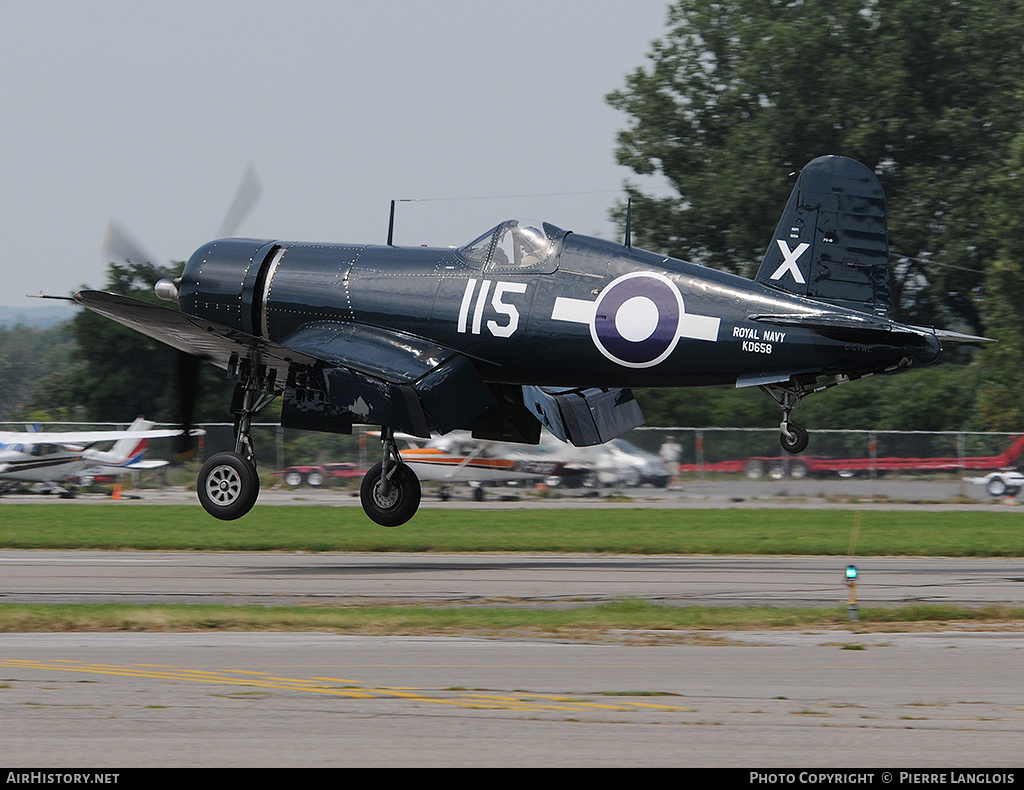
[
  {"x": 139, "y": 466},
  {"x": 836, "y": 322},
  {"x": 957, "y": 337},
  {"x": 584, "y": 417},
  {"x": 822, "y": 320}
]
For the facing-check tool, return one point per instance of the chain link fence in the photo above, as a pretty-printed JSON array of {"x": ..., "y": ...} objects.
[
  {"x": 755, "y": 452},
  {"x": 703, "y": 452}
]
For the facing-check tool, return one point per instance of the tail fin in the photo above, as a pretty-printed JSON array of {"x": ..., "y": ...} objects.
[
  {"x": 128, "y": 449},
  {"x": 832, "y": 243}
]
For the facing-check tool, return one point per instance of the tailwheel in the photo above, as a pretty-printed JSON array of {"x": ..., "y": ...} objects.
[
  {"x": 793, "y": 438},
  {"x": 228, "y": 486},
  {"x": 390, "y": 498}
]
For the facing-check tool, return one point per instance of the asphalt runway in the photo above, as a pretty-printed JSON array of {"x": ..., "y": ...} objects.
[
  {"x": 499, "y": 578},
  {"x": 749, "y": 700}
]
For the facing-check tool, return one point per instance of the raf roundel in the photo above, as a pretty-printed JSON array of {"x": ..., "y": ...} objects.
[{"x": 636, "y": 320}]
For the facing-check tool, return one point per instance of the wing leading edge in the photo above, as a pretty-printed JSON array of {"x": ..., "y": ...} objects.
[{"x": 332, "y": 373}]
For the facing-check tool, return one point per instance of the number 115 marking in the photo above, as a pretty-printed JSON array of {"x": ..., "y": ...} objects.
[{"x": 500, "y": 306}]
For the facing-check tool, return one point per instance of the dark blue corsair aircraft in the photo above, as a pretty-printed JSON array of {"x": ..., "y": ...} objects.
[{"x": 527, "y": 325}]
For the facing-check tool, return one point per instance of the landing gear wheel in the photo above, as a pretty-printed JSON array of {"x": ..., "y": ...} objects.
[
  {"x": 228, "y": 486},
  {"x": 996, "y": 486},
  {"x": 392, "y": 502},
  {"x": 795, "y": 441}
]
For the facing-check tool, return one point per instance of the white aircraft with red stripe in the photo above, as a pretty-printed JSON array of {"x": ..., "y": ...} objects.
[
  {"x": 55, "y": 457},
  {"x": 459, "y": 458}
]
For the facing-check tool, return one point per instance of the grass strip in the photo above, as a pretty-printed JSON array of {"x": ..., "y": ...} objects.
[
  {"x": 585, "y": 620},
  {"x": 974, "y": 533}
]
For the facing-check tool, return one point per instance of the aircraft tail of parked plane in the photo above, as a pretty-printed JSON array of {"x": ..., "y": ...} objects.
[
  {"x": 127, "y": 455},
  {"x": 127, "y": 450}
]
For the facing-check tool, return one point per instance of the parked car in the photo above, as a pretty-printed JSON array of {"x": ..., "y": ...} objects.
[
  {"x": 616, "y": 463},
  {"x": 319, "y": 475},
  {"x": 646, "y": 468},
  {"x": 1005, "y": 483}
]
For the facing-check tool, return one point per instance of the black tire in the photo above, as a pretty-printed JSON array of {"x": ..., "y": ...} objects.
[
  {"x": 401, "y": 501},
  {"x": 796, "y": 442},
  {"x": 227, "y": 486}
]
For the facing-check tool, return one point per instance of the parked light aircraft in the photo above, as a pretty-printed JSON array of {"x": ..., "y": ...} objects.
[
  {"x": 527, "y": 325},
  {"x": 55, "y": 457},
  {"x": 458, "y": 458}
]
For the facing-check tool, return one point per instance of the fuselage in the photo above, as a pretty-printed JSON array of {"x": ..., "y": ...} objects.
[
  {"x": 582, "y": 312},
  {"x": 23, "y": 459},
  {"x": 39, "y": 462}
]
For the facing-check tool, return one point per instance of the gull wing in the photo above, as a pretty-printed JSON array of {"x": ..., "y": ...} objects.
[{"x": 332, "y": 372}]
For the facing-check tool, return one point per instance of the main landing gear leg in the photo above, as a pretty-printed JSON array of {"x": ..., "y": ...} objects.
[
  {"x": 390, "y": 491},
  {"x": 228, "y": 484},
  {"x": 792, "y": 437}
]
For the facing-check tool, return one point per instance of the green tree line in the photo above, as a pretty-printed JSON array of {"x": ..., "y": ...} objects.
[
  {"x": 737, "y": 95},
  {"x": 28, "y": 356}
]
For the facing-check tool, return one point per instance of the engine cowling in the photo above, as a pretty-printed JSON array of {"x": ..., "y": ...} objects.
[
  {"x": 266, "y": 288},
  {"x": 219, "y": 281}
]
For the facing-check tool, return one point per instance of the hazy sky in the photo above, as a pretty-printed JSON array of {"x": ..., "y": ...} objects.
[{"x": 148, "y": 113}]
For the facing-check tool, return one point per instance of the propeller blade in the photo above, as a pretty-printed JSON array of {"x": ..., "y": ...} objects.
[
  {"x": 248, "y": 193},
  {"x": 119, "y": 246},
  {"x": 187, "y": 369}
]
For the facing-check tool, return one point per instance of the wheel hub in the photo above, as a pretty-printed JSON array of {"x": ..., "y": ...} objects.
[
  {"x": 386, "y": 494},
  {"x": 223, "y": 485}
]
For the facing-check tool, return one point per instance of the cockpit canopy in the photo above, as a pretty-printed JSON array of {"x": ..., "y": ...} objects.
[{"x": 516, "y": 245}]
